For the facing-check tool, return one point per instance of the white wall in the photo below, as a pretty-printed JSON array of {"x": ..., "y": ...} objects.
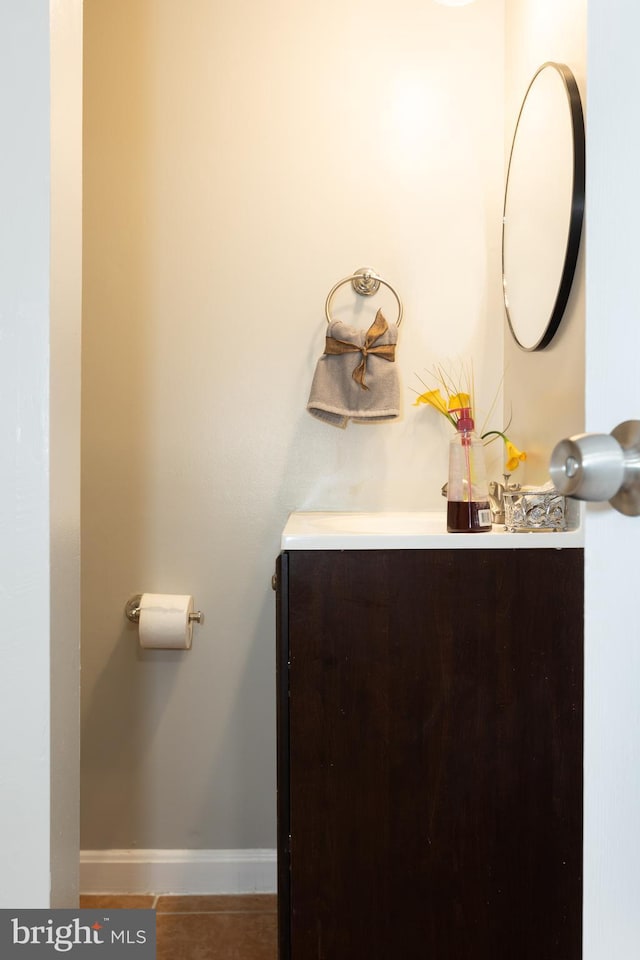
[
  {"x": 240, "y": 158},
  {"x": 544, "y": 390},
  {"x": 24, "y": 439},
  {"x": 40, "y": 287},
  {"x": 612, "y": 651}
]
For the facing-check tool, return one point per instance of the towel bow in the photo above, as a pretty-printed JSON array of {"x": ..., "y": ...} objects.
[{"x": 386, "y": 351}]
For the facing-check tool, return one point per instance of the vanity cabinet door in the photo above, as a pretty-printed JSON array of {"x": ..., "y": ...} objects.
[{"x": 430, "y": 754}]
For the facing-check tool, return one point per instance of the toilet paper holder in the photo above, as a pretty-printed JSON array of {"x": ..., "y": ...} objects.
[{"x": 132, "y": 610}]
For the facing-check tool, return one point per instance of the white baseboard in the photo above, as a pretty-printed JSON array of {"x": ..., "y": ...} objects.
[{"x": 178, "y": 871}]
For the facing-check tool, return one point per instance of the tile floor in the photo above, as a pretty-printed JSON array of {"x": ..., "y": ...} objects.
[{"x": 204, "y": 927}]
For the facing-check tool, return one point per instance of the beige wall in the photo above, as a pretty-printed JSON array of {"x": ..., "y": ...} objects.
[
  {"x": 65, "y": 333},
  {"x": 240, "y": 158},
  {"x": 545, "y": 390}
]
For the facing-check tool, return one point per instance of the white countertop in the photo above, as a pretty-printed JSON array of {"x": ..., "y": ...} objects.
[{"x": 407, "y": 531}]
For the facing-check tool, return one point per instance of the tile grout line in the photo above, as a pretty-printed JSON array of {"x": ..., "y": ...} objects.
[{"x": 203, "y": 909}]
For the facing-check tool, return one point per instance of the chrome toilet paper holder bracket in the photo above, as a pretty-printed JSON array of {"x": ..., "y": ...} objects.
[{"x": 132, "y": 611}]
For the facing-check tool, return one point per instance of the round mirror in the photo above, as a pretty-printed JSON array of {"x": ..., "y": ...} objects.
[{"x": 543, "y": 206}]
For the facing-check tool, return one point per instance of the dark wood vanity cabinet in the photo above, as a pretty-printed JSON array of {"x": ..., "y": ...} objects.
[{"x": 430, "y": 754}]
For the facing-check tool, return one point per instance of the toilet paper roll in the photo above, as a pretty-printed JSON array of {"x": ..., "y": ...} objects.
[{"x": 164, "y": 621}]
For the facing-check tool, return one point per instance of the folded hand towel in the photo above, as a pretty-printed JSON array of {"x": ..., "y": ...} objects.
[{"x": 356, "y": 377}]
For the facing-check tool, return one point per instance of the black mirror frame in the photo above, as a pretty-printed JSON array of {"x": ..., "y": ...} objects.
[{"x": 577, "y": 205}]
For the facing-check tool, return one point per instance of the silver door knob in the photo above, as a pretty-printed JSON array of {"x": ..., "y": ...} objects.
[{"x": 601, "y": 466}]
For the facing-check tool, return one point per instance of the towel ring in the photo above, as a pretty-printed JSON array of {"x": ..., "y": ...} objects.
[{"x": 366, "y": 282}]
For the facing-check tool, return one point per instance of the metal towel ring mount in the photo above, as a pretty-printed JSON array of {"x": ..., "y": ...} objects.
[{"x": 366, "y": 282}]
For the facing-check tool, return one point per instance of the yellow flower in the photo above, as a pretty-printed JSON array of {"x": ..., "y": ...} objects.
[
  {"x": 434, "y": 399},
  {"x": 459, "y": 401},
  {"x": 514, "y": 456}
]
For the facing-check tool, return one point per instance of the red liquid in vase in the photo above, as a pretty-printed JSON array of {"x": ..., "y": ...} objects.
[{"x": 468, "y": 517}]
